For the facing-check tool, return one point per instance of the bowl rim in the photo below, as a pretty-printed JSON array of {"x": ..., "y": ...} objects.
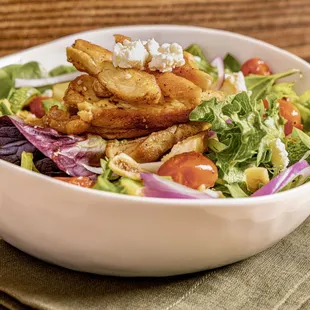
[{"x": 225, "y": 202}]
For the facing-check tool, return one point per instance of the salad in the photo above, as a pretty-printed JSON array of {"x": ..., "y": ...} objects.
[{"x": 157, "y": 121}]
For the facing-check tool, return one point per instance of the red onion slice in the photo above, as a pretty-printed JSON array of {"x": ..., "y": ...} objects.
[
  {"x": 284, "y": 178},
  {"x": 219, "y": 64},
  {"x": 156, "y": 186}
]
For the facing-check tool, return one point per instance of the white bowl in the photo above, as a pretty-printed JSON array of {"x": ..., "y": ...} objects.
[{"x": 112, "y": 234}]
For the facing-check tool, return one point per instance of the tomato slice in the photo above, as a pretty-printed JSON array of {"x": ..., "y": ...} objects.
[
  {"x": 289, "y": 112},
  {"x": 80, "y": 181},
  {"x": 36, "y": 106},
  {"x": 255, "y": 66},
  {"x": 191, "y": 169}
]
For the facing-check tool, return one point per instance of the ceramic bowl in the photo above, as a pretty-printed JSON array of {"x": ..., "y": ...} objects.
[{"x": 112, "y": 234}]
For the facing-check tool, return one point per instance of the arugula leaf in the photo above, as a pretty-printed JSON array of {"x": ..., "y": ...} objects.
[
  {"x": 202, "y": 62},
  {"x": 261, "y": 85},
  {"x": 8, "y": 74},
  {"x": 231, "y": 63},
  {"x": 62, "y": 69}
]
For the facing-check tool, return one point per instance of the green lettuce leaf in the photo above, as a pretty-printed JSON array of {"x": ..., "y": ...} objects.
[
  {"x": 297, "y": 145},
  {"x": 246, "y": 141},
  {"x": 6, "y": 84},
  {"x": 305, "y": 99},
  {"x": 62, "y": 69},
  {"x": 30, "y": 70},
  {"x": 8, "y": 74},
  {"x": 261, "y": 85},
  {"x": 231, "y": 63}
]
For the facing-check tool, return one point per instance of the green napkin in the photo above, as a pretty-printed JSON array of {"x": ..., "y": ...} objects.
[{"x": 277, "y": 279}]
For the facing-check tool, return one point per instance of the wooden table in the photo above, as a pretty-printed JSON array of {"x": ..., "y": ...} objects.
[{"x": 25, "y": 23}]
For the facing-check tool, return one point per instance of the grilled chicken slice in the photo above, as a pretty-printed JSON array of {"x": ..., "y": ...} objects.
[
  {"x": 120, "y": 38},
  {"x": 85, "y": 87},
  {"x": 190, "y": 61},
  {"x": 119, "y": 133},
  {"x": 114, "y": 119},
  {"x": 153, "y": 147},
  {"x": 88, "y": 57},
  {"x": 63, "y": 122},
  {"x": 112, "y": 113},
  {"x": 115, "y": 147},
  {"x": 209, "y": 94},
  {"x": 199, "y": 78},
  {"x": 130, "y": 85},
  {"x": 85, "y": 92},
  {"x": 179, "y": 88}
]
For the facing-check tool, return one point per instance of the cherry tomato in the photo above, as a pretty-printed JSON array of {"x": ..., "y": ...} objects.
[
  {"x": 36, "y": 106},
  {"x": 255, "y": 66},
  {"x": 190, "y": 169},
  {"x": 266, "y": 104},
  {"x": 291, "y": 114},
  {"x": 80, "y": 181}
]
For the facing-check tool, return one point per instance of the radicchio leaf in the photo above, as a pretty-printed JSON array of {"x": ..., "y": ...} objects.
[
  {"x": 72, "y": 154},
  {"x": 13, "y": 143}
]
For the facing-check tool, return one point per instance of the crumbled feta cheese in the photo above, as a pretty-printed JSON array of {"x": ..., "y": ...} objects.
[
  {"x": 152, "y": 47},
  {"x": 135, "y": 54},
  {"x": 234, "y": 83},
  {"x": 279, "y": 155},
  {"x": 130, "y": 54},
  {"x": 168, "y": 57}
]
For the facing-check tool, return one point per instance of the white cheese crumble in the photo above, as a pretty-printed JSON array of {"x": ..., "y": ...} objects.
[
  {"x": 152, "y": 47},
  {"x": 234, "y": 83},
  {"x": 279, "y": 155},
  {"x": 237, "y": 79},
  {"x": 136, "y": 54},
  {"x": 167, "y": 58},
  {"x": 130, "y": 54}
]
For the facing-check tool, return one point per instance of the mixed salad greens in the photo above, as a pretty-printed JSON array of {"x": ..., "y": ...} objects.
[{"x": 258, "y": 141}]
